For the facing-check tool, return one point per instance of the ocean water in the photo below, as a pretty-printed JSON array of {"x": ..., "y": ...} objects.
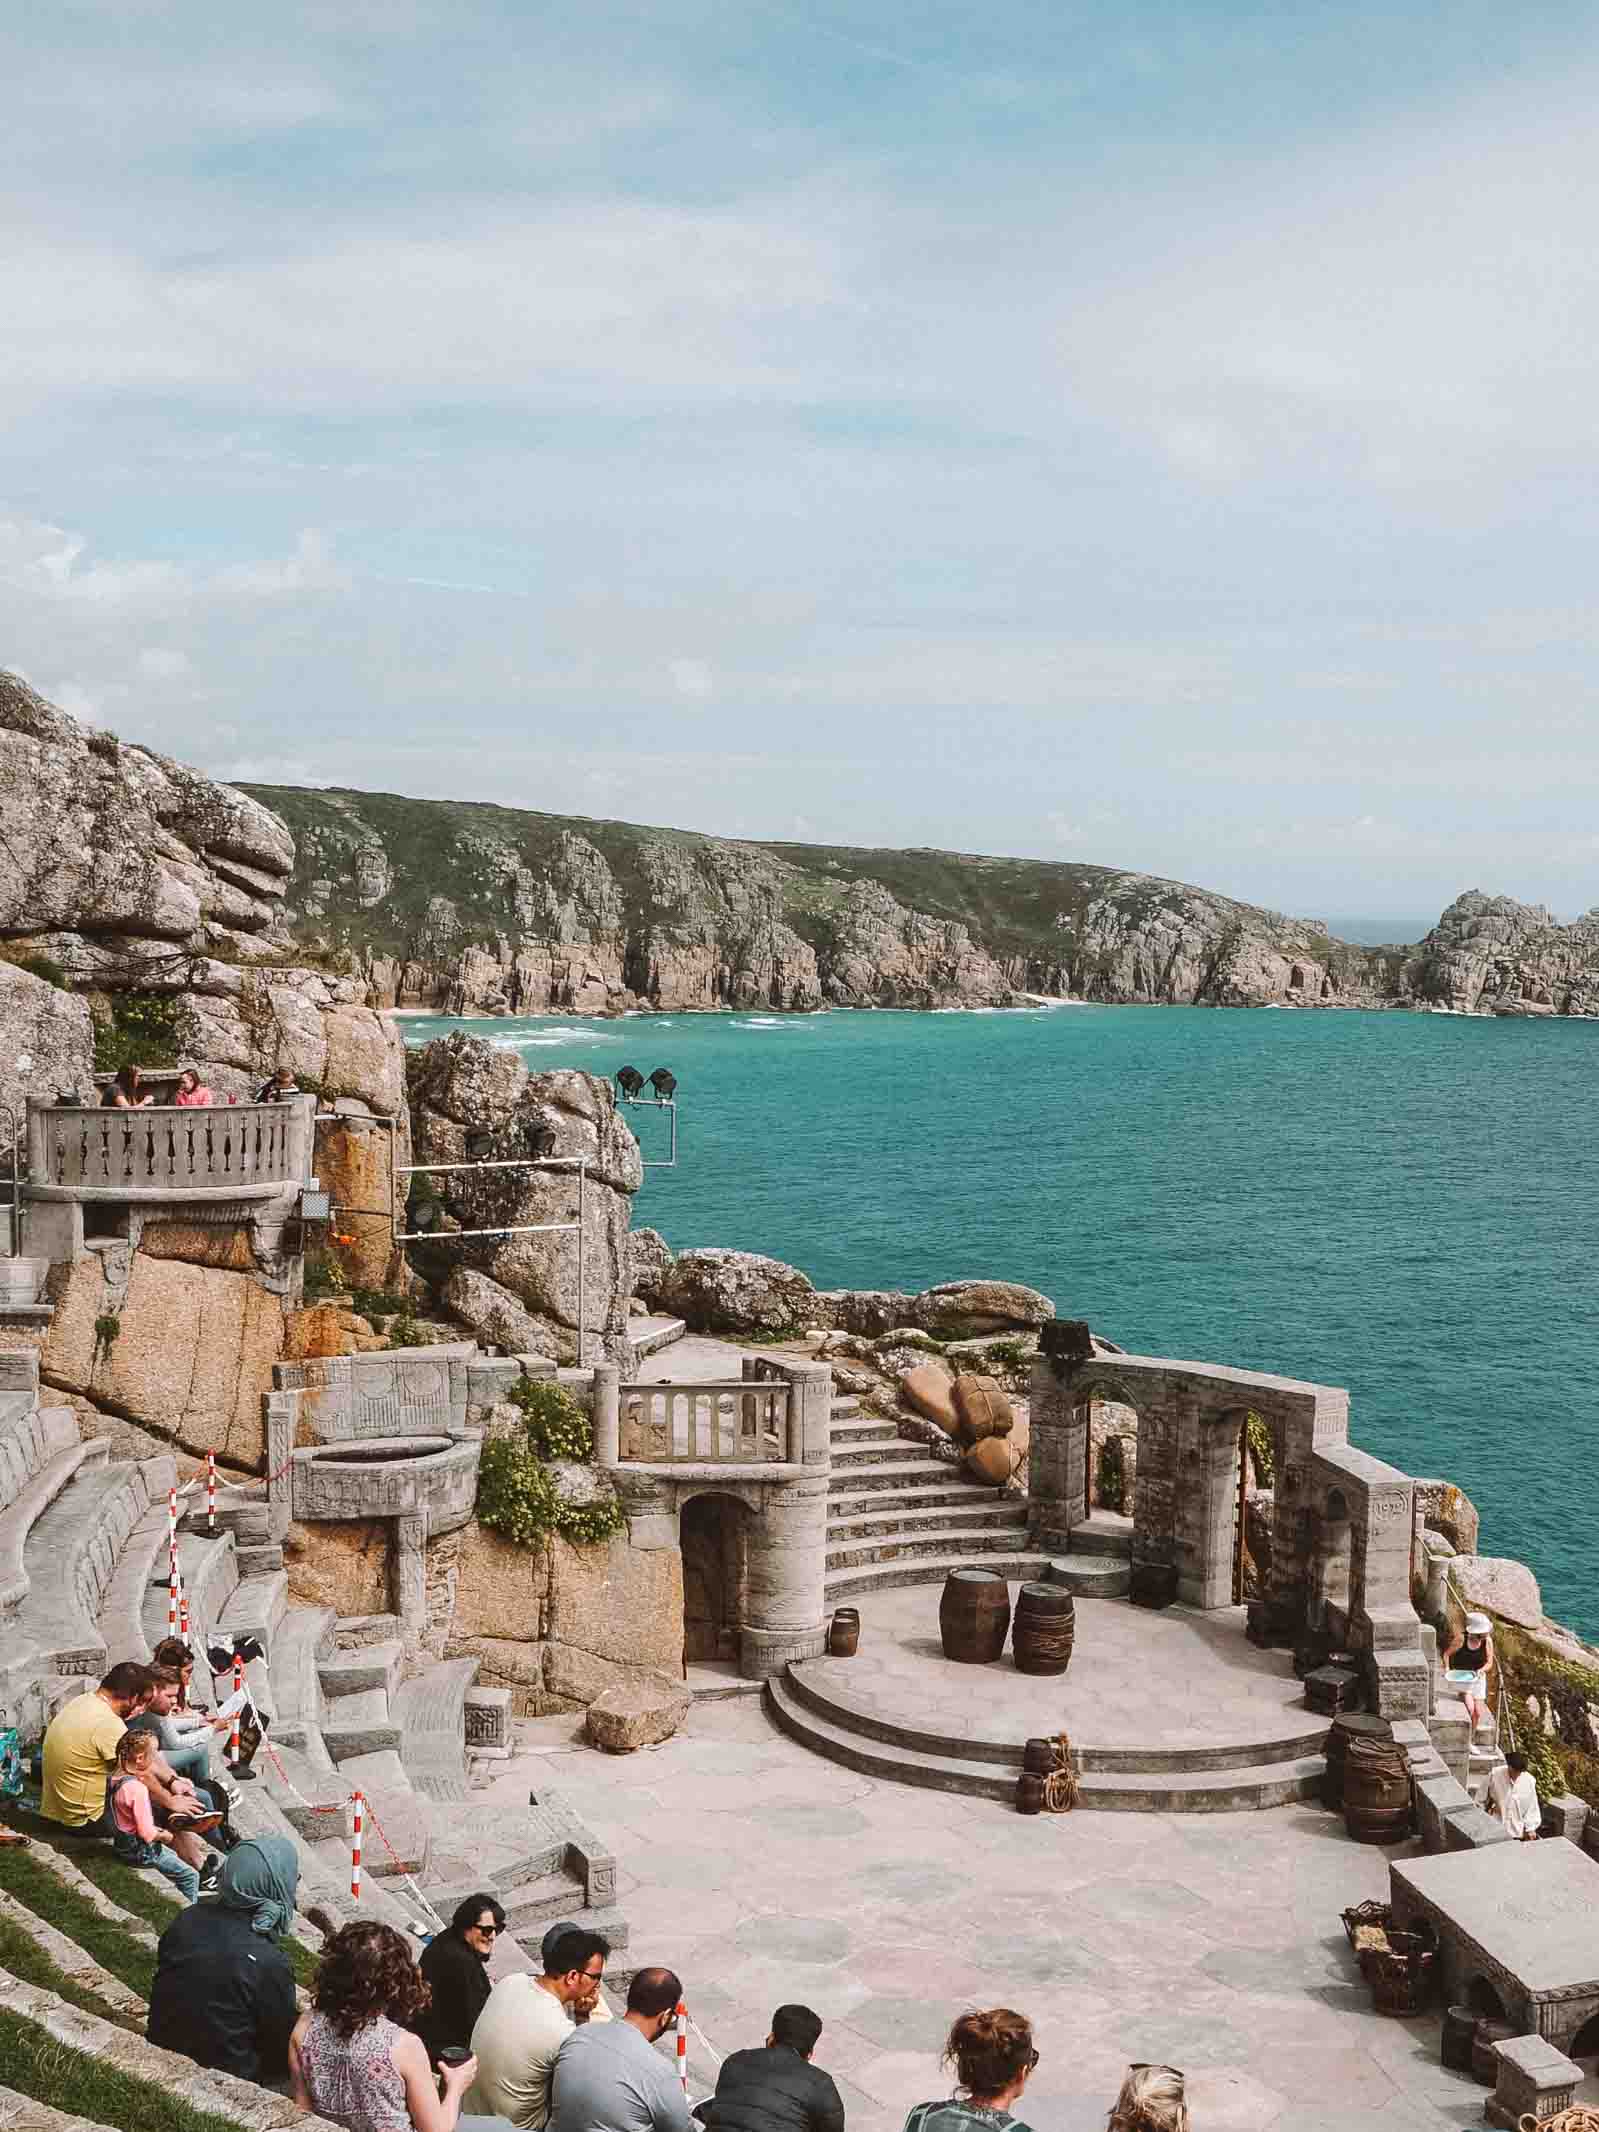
[{"x": 1400, "y": 1203}]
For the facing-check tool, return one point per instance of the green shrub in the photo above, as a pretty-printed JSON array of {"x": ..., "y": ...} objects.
[
  {"x": 557, "y": 1426},
  {"x": 379, "y": 1303},
  {"x": 1564, "y": 1689},
  {"x": 144, "y": 1031},
  {"x": 1262, "y": 1452},
  {"x": 517, "y": 1498},
  {"x": 405, "y": 1332},
  {"x": 325, "y": 1279}
]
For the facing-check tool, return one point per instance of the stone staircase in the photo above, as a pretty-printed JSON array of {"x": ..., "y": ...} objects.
[
  {"x": 84, "y": 1583},
  {"x": 897, "y": 1515}
]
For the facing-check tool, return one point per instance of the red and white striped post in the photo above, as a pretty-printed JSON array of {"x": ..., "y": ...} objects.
[
  {"x": 210, "y": 1491},
  {"x": 682, "y": 2044},
  {"x": 172, "y": 1590},
  {"x": 238, "y": 1690},
  {"x": 183, "y": 1608},
  {"x": 357, "y": 1804}
]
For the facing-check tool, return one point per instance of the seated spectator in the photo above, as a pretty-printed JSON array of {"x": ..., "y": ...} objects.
[
  {"x": 1513, "y": 1796},
  {"x": 992, "y": 2057},
  {"x": 351, "y": 2060},
  {"x": 281, "y": 1084},
  {"x": 135, "y": 1837},
  {"x": 776, "y": 2088},
  {"x": 189, "y": 1728},
  {"x": 610, "y": 2078},
  {"x": 192, "y": 1092},
  {"x": 1151, "y": 2100},
  {"x": 455, "y": 1963},
  {"x": 176, "y": 1792},
  {"x": 224, "y": 1989},
  {"x": 526, "y": 2021},
  {"x": 126, "y": 1092},
  {"x": 598, "y": 2011},
  {"x": 80, "y": 1749}
]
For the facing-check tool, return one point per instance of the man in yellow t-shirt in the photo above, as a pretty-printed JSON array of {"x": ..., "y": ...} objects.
[{"x": 80, "y": 1749}]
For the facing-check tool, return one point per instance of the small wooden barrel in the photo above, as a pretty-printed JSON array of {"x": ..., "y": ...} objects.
[
  {"x": 1045, "y": 1629},
  {"x": 1347, "y": 1726},
  {"x": 844, "y": 1635},
  {"x": 1484, "y": 2058},
  {"x": 1376, "y": 1791},
  {"x": 1029, "y": 1793},
  {"x": 1460, "y": 2026},
  {"x": 1038, "y": 1757},
  {"x": 974, "y": 1616},
  {"x": 1153, "y": 1584}
]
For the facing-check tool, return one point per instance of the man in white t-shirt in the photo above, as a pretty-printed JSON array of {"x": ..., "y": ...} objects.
[
  {"x": 524, "y": 2024},
  {"x": 1513, "y": 1796}
]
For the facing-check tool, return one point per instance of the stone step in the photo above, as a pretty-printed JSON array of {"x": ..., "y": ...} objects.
[
  {"x": 928, "y": 1569},
  {"x": 918, "y": 1495},
  {"x": 647, "y": 1336},
  {"x": 395, "y": 1835},
  {"x": 360, "y": 1724},
  {"x": 1103, "y": 1532},
  {"x": 257, "y": 1604},
  {"x": 259, "y": 1558},
  {"x": 121, "y": 1619},
  {"x": 297, "y": 1710},
  {"x": 357, "y": 1672},
  {"x": 535, "y": 1904},
  {"x": 896, "y": 1516},
  {"x": 1091, "y": 1576},
  {"x": 969, "y": 1537},
  {"x": 54, "y": 1473},
  {"x": 811, "y": 1684},
  {"x": 845, "y": 1435},
  {"x": 896, "y": 1451},
  {"x": 22, "y": 1280},
  {"x": 842, "y": 1405},
  {"x": 210, "y": 1577},
  {"x": 922, "y": 1471},
  {"x": 69, "y": 1559},
  {"x": 352, "y": 1631},
  {"x": 1215, "y": 1791},
  {"x": 430, "y": 1710}
]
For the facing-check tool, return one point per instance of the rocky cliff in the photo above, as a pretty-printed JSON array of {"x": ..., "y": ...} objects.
[
  {"x": 136, "y": 894},
  {"x": 481, "y": 910},
  {"x": 1490, "y": 954}
]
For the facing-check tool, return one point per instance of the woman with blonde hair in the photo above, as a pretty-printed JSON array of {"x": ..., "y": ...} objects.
[
  {"x": 992, "y": 2057},
  {"x": 1151, "y": 2100}
]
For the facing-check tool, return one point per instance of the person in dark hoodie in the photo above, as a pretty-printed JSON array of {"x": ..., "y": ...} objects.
[
  {"x": 224, "y": 1990},
  {"x": 456, "y": 1965},
  {"x": 777, "y": 2089}
]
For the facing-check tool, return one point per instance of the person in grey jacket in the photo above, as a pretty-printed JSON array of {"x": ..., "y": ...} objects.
[
  {"x": 777, "y": 2089},
  {"x": 609, "y": 2077}
]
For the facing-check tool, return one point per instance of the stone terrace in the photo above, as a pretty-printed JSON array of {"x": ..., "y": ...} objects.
[{"x": 1212, "y": 1941}]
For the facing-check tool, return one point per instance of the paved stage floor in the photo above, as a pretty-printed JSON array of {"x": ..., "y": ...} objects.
[
  {"x": 1211, "y": 1941},
  {"x": 1137, "y": 1678}
]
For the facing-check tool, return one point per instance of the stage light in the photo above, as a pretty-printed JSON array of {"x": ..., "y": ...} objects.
[{"x": 664, "y": 1084}]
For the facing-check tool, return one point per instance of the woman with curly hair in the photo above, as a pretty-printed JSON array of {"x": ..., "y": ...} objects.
[
  {"x": 351, "y": 2059},
  {"x": 1151, "y": 2100},
  {"x": 992, "y": 2057}
]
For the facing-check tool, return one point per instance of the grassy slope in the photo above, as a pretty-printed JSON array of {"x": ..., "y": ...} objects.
[{"x": 1011, "y": 905}]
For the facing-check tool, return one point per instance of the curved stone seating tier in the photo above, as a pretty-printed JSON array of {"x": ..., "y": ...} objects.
[
  {"x": 431, "y": 1709},
  {"x": 71, "y": 1557},
  {"x": 144, "y": 1551},
  {"x": 51, "y": 1454}
]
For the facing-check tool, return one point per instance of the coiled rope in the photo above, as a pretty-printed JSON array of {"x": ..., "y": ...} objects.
[{"x": 1060, "y": 1784}]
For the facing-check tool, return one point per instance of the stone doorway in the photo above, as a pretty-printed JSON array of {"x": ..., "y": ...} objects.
[{"x": 714, "y": 1536}]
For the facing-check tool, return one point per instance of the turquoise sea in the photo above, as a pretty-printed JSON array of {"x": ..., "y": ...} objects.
[{"x": 1401, "y": 1203}]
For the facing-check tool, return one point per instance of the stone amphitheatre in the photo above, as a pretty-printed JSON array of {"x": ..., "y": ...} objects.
[{"x": 355, "y": 1297}]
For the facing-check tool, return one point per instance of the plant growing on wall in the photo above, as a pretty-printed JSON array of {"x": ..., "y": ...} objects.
[
  {"x": 106, "y": 1328},
  {"x": 324, "y": 1277},
  {"x": 1262, "y": 1455},
  {"x": 143, "y": 1030},
  {"x": 516, "y": 1492},
  {"x": 557, "y": 1426},
  {"x": 1110, "y": 1476}
]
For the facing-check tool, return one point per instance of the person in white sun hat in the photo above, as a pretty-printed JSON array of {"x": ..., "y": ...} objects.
[{"x": 1467, "y": 1658}]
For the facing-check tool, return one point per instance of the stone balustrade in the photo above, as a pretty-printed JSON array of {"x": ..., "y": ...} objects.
[
  {"x": 232, "y": 1151},
  {"x": 744, "y": 1424}
]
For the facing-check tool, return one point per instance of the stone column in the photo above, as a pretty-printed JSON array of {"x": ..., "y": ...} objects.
[
  {"x": 607, "y": 1415},
  {"x": 786, "y": 1602},
  {"x": 1057, "y": 1486},
  {"x": 409, "y": 1572},
  {"x": 811, "y": 1414},
  {"x": 282, "y": 1412}
]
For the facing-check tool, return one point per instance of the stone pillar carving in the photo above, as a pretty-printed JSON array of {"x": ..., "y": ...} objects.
[
  {"x": 607, "y": 1415},
  {"x": 811, "y": 1429},
  {"x": 282, "y": 1411},
  {"x": 409, "y": 1571},
  {"x": 1057, "y": 1486},
  {"x": 785, "y": 1603}
]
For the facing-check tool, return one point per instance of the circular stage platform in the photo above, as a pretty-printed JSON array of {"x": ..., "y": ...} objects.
[{"x": 1171, "y": 1711}]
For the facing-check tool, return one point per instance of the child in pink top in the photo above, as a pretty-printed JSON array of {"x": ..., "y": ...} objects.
[{"x": 137, "y": 1839}]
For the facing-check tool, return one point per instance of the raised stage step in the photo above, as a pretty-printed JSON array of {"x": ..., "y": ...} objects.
[
  {"x": 1091, "y": 1576},
  {"x": 992, "y": 1530},
  {"x": 865, "y": 1472},
  {"x": 1245, "y": 1786},
  {"x": 1103, "y": 1532},
  {"x": 917, "y": 1496},
  {"x": 373, "y": 1665},
  {"x": 848, "y": 1434},
  {"x": 930, "y": 1569},
  {"x": 883, "y": 1516},
  {"x": 359, "y": 1725},
  {"x": 898, "y": 1450}
]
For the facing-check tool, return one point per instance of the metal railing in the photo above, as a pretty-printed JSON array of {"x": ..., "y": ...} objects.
[
  {"x": 226, "y": 1148},
  {"x": 708, "y": 1425}
]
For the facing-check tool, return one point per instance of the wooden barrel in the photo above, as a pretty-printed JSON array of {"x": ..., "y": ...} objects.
[
  {"x": 844, "y": 1633},
  {"x": 1038, "y": 1757},
  {"x": 1153, "y": 1584},
  {"x": 1029, "y": 1793},
  {"x": 1484, "y": 2058},
  {"x": 974, "y": 1616},
  {"x": 1376, "y": 1790},
  {"x": 1348, "y": 1725},
  {"x": 1045, "y": 1629},
  {"x": 1460, "y": 2025}
]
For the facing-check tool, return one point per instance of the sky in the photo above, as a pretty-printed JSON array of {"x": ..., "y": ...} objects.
[{"x": 1161, "y": 435}]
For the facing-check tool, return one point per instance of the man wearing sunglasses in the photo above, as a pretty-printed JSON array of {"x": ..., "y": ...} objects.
[{"x": 526, "y": 2021}]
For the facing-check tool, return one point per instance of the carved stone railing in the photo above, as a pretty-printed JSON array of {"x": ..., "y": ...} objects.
[
  {"x": 230, "y": 1149},
  {"x": 708, "y": 1425}
]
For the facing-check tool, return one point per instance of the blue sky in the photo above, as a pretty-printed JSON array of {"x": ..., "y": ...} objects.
[{"x": 1164, "y": 436}]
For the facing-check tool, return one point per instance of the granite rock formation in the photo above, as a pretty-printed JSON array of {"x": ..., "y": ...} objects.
[{"x": 1493, "y": 955}]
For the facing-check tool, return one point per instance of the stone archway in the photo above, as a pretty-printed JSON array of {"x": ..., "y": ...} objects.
[
  {"x": 1331, "y": 1566},
  {"x": 714, "y": 1536}
]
